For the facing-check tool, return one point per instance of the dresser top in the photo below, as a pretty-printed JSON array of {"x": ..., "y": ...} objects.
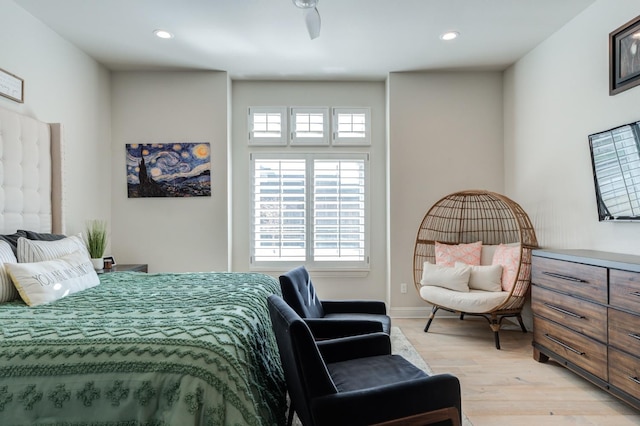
[{"x": 605, "y": 259}]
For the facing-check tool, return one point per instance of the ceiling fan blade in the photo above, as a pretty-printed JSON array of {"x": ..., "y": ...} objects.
[{"x": 312, "y": 18}]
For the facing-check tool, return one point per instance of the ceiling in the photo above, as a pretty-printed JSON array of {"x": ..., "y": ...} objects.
[{"x": 267, "y": 39}]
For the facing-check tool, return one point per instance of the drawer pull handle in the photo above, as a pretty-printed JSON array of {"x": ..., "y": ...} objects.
[
  {"x": 564, "y": 345},
  {"x": 563, "y": 311},
  {"x": 634, "y": 380},
  {"x": 565, "y": 277},
  {"x": 634, "y": 335},
  {"x": 635, "y": 293}
]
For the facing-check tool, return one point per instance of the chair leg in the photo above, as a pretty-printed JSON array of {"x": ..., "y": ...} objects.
[
  {"x": 290, "y": 417},
  {"x": 495, "y": 326},
  {"x": 461, "y": 316},
  {"x": 433, "y": 314},
  {"x": 524, "y": 329}
]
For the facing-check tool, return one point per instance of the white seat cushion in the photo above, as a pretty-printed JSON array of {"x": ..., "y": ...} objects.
[{"x": 475, "y": 301}]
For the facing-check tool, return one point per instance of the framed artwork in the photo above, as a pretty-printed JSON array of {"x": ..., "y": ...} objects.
[
  {"x": 624, "y": 57},
  {"x": 11, "y": 86},
  {"x": 175, "y": 169}
]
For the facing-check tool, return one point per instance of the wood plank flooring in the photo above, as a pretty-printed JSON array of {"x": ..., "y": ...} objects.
[{"x": 507, "y": 387}]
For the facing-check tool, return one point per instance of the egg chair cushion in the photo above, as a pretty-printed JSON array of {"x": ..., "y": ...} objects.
[{"x": 474, "y": 301}]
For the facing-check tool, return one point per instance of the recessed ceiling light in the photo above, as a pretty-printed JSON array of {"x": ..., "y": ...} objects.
[
  {"x": 163, "y": 34},
  {"x": 449, "y": 35}
]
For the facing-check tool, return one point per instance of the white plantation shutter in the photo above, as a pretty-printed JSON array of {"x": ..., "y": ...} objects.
[
  {"x": 351, "y": 126},
  {"x": 279, "y": 213},
  {"x": 310, "y": 126},
  {"x": 339, "y": 210},
  {"x": 267, "y": 125},
  {"x": 310, "y": 208}
]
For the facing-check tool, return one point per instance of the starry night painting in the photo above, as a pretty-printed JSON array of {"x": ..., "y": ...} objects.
[{"x": 174, "y": 169}]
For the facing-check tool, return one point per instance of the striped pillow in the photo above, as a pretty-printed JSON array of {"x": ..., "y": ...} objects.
[
  {"x": 30, "y": 251},
  {"x": 8, "y": 291}
]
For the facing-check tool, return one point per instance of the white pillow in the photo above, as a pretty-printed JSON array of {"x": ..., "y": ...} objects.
[
  {"x": 485, "y": 277},
  {"x": 38, "y": 251},
  {"x": 453, "y": 278},
  {"x": 7, "y": 290},
  {"x": 44, "y": 282}
]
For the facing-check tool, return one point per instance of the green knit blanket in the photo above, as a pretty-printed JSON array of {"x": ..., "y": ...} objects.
[{"x": 145, "y": 349}]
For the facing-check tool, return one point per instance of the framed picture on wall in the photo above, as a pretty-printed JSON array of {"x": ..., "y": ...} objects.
[
  {"x": 11, "y": 86},
  {"x": 624, "y": 57}
]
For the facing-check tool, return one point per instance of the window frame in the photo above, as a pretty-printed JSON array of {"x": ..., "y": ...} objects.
[
  {"x": 323, "y": 140},
  {"x": 267, "y": 141},
  {"x": 324, "y": 265},
  {"x": 350, "y": 141}
]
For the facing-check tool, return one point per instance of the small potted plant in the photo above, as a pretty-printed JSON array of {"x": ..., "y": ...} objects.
[{"x": 96, "y": 235}]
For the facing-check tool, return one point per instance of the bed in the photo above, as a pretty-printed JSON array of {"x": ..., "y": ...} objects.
[
  {"x": 135, "y": 349},
  {"x": 179, "y": 349}
]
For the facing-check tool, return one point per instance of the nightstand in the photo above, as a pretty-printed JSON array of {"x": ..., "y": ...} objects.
[{"x": 135, "y": 267}]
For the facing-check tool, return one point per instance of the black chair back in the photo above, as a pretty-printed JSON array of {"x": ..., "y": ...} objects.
[
  {"x": 298, "y": 292},
  {"x": 304, "y": 369}
]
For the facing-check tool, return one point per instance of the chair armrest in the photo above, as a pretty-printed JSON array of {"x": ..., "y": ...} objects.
[
  {"x": 327, "y": 328},
  {"x": 346, "y": 348},
  {"x": 354, "y": 307},
  {"x": 388, "y": 402}
]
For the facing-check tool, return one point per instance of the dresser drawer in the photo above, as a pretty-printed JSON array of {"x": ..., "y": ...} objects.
[
  {"x": 577, "y": 314},
  {"x": 624, "y": 331},
  {"x": 624, "y": 372},
  {"x": 582, "y": 351},
  {"x": 624, "y": 289},
  {"x": 586, "y": 281}
]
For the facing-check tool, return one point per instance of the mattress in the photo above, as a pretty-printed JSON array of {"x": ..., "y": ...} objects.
[{"x": 145, "y": 349}]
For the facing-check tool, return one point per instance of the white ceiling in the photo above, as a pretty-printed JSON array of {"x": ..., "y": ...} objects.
[{"x": 267, "y": 39}]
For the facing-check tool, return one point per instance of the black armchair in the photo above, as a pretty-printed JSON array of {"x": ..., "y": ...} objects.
[
  {"x": 355, "y": 380},
  {"x": 332, "y": 318}
]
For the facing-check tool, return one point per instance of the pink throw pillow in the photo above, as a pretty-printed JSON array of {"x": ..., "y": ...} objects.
[
  {"x": 448, "y": 255},
  {"x": 509, "y": 257}
]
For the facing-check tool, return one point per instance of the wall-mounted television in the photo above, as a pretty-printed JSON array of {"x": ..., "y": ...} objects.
[{"x": 615, "y": 157}]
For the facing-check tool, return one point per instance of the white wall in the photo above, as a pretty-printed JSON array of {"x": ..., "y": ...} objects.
[
  {"x": 345, "y": 94},
  {"x": 445, "y": 135},
  {"x": 554, "y": 98},
  {"x": 171, "y": 234},
  {"x": 63, "y": 85}
]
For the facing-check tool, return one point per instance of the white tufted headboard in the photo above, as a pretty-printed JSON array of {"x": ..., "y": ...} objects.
[{"x": 30, "y": 174}]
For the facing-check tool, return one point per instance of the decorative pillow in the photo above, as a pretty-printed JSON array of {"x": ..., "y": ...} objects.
[
  {"x": 44, "y": 282},
  {"x": 42, "y": 236},
  {"x": 7, "y": 290},
  {"x": 448, "y": 255},
  {"x": 509, "y": 257},
  {"x": 484, "y": 277},
  {"x": 12, "y": 239},
  {"x": 453, "y": 278},
  {"x": 38, "y": 251},
  {"x": 488, "y": 250}
]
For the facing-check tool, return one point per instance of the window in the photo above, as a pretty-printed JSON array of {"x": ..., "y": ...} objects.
[
  {"x": 351, "y": 126},
  {"x": 310, "y": 208},
  {"x": 309, "y": 126},
  {"x": 267, "y": 125}
]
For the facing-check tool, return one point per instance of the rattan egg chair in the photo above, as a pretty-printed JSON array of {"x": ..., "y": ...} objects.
[{"x": 471, "y": 216}]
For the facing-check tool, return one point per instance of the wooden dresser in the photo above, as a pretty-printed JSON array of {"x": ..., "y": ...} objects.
[{"x": 586, "y": 316}]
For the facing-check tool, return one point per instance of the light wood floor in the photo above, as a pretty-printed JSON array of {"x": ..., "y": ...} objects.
[{"x": 507, "y": 387}]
